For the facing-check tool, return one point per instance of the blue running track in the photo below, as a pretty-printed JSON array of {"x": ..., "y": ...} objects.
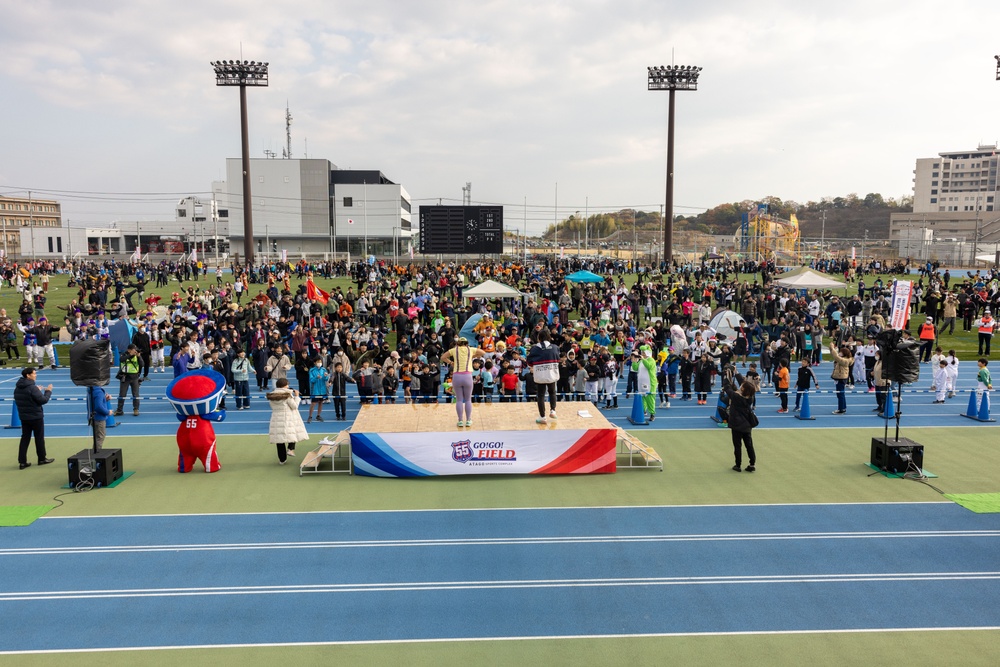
[{"x": 213, "y": 580}]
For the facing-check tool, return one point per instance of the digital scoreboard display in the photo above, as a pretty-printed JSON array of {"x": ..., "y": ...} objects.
[{"x": 461, "y": 230}]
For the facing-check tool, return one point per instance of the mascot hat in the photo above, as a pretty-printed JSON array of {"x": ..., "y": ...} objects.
[{"x": 196, "y": 393}]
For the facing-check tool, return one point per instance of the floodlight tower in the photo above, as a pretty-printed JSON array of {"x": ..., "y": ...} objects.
[
  {"x": 243, "y": 73},
  {"x": 672, "y": 78}
]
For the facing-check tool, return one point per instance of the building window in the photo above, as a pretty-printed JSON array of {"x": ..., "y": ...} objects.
[
  {"x": 50, "y": 244},
  {"x": 58, "y": 244},
  {"x": 348, "y": 201},
  {"x": 182, "y": 213},
  {"x": 404, "y": 204},
  {"x": 223, "y": 212},
  {"x": 933, "y": 192},
  {"x": 989, "y": 198},
  {"x": 933, "y": 200}
]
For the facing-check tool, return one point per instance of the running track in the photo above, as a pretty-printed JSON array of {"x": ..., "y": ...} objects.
[{"x": 342, "y": 577}]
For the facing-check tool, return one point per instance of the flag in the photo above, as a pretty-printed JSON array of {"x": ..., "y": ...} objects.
[
  {"x": 411, "y": 251},
  {"x": 901, "y": 292},
  {"x": 314, "y": 293},
  {"x": 194, "y": 256}
]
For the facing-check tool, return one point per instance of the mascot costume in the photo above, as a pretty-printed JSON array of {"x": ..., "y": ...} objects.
[
  {"x": 647, "y": 381},
  {"x": 195, "y": 396}
]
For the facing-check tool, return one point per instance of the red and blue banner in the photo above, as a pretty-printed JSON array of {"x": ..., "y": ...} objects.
[{"x": 484, "y": 453}]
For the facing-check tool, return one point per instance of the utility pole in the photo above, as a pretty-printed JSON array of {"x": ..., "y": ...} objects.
[
  {"x": 31, "y": 224},
  {"x": 975, "y": 240},
  {"x": 822, "y": 242}
]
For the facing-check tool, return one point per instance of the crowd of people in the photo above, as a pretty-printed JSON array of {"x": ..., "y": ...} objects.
[{"x": 395, "y": 332}]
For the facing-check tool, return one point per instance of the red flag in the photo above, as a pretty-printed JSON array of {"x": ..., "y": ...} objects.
[{"x": 314, "y": 293}]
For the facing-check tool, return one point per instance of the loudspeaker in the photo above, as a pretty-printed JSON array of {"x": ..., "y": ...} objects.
[
  {"x": 90, "y": 363},
  {"x": 104, "y": 466},
  {"x": 896, "y": 455}
]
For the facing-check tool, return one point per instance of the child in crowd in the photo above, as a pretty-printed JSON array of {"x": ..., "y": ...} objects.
[
  {"x": 952, "y": 373},
  {"x": 781, "y": 378},
  {"x": 508, "y": 386},
  {"x": 984, "y": 382},
  {"x": 579, "y": 381},
  {"x": 338, "y": 390},
  {"x": 318, "y": 377},
  {"x": 803, "y": 379},
  {"x": 489, "y": 380},
  {"x": 940, "y": 379},
  {"x": 686, "y": 369}
]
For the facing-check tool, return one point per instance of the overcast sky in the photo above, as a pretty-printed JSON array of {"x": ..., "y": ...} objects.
[{"x": 800, "y": 100}]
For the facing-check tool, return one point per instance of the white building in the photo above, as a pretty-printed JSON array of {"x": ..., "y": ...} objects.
[
  {"x": 309, "y": 206},
  {"x": 955, "y": 204},
  {"x": 961, "y": 181}
]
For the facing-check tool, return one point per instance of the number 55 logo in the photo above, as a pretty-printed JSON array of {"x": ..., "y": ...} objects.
[{"x": 461, "y": 451}]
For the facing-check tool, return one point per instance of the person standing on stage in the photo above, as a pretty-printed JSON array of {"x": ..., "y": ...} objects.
[
  {"x": 29, "y": 399},
  {"x": 460, "y": 359},
  {"x": 543, "y": 359}
]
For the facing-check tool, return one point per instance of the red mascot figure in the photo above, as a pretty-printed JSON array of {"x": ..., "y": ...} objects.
[{"x": 195, "y": 396}]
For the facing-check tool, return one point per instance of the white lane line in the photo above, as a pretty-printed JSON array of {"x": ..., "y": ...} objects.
[
  {"x": 942, "y": 503},
  {"x": 518, "y": 638},
  {"x": 494, "y": 541},
  {"x": 512, "y": 584}
]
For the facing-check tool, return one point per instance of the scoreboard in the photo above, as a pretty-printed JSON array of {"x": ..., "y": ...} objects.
[{"x": 461, "y": 229}]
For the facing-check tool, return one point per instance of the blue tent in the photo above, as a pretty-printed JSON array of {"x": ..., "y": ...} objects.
[
  {"x": 467, "y": 329},
  {"x": 584, "y": 277}
]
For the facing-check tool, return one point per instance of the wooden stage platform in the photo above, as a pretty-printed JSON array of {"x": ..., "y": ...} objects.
[
  {"x": 419, "y": 440},
  {"x": 441, "y": 417}
]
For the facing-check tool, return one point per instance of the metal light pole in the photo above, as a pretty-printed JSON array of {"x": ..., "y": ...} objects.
[
  {"x": 243, "y": 73},
  {"x": 672, "y": 78}
]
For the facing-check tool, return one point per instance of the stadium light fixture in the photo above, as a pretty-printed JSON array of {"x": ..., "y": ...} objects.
[
  {"x": 672, "y": 79},
  {"x": 243, "y": 74}
]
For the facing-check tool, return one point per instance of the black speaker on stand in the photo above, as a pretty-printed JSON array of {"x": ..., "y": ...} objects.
[
  {"x": 900, "y": 365},
  {"x": 90, "y": 366}
]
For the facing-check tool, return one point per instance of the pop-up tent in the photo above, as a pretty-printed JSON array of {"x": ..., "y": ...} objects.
[
  {"x": 808, "y": 279},
  {"x": 584, "y": 277},
  {"x": 491, "y": 289},
  {"x": 724, "y": 324}
]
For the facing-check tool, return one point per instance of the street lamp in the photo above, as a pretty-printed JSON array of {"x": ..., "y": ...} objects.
[
  {"x": 243, "y": 73},
  {"x": 671, "y": 78}
]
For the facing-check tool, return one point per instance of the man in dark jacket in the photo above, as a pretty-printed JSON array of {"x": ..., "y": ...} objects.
[{"x": 29, "y": 399}]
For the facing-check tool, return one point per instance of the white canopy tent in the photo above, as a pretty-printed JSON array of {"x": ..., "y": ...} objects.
[
  {"x": 725, "y": 322},
  {"x": 491, "y": 289},
  {"x": 809, "y": 279}
]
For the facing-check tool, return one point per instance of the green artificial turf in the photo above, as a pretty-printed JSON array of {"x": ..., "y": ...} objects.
[
  {"x": 22, "y": 515},
  {"x": 980, "y": 503},
  {"x": 790, "y": 469}
]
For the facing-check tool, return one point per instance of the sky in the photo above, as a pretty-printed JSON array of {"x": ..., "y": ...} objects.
[{"x": 542, "y": 106}]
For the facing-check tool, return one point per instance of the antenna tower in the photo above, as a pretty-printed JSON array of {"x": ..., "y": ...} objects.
[{"x": 288, "y": 132}]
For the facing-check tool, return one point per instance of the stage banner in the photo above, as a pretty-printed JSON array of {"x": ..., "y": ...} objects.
[
  {"x": 487, "y": 453},
  {"x": 901, "y": 292}
]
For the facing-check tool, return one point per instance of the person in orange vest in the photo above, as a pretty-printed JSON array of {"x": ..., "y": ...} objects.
[
  {"x": 985, "y": 325},
  {"x": 927, "y": 334}
]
